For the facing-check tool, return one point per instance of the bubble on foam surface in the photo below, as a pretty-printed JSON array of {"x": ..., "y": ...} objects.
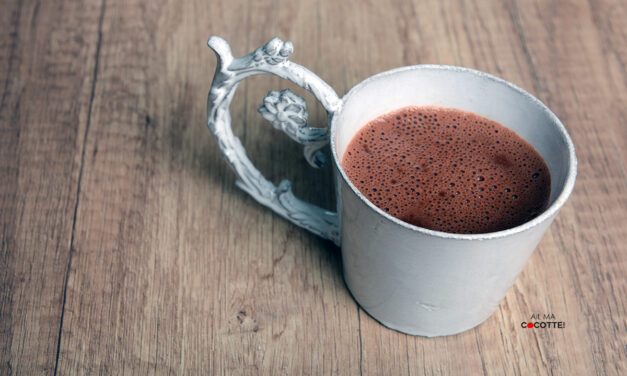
[{"x": 448, "y": 170}]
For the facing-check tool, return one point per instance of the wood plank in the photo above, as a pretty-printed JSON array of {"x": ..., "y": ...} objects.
[
  {"x": 47, "y": 57},
  {"x": 175, "y": 271}
]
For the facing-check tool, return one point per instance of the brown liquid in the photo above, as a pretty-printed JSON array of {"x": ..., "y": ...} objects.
[{"x": 448, "y": 170}]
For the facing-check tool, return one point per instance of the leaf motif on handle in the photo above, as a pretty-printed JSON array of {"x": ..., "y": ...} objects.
[{"x": 274, "y": 52}]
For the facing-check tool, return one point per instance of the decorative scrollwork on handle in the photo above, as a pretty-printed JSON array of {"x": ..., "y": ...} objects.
[{"x": 284, "y": 110}]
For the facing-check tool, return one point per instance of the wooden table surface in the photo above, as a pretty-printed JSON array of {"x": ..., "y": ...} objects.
[{"x": 126, "y": 249}]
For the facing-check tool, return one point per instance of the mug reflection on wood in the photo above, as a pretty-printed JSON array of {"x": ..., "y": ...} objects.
[{"x": 411, "y": 279}]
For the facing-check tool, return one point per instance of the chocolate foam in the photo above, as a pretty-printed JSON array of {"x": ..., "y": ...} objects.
[{"x": 448, "y": 170}]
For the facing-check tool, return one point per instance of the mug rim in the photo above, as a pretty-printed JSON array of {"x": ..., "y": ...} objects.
[{"x": 545, "y": 215}]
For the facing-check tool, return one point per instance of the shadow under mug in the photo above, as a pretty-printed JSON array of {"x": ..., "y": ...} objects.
[{"x": 411, "y": 279}]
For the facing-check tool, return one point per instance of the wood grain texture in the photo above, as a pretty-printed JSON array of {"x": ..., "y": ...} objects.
[
  {"x": 47, "y": 59},
  {"x": 126, "y": 248}
]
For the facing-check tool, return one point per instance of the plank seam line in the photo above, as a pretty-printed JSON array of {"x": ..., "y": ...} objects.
[
  {"x": 361, "y": 349},
  {"x": 80, "y": 178}
]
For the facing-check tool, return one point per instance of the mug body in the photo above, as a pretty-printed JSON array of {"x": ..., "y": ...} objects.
[{"x": 426, "y": 282}]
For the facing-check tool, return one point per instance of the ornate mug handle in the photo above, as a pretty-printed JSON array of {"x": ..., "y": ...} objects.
[{"x": 287, "y": 112}]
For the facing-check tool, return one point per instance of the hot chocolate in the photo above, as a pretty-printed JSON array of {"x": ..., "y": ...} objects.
[{"x": 448, "y": 170}]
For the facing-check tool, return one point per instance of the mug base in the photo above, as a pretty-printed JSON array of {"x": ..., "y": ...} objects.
[{"x": 410, "y": 330}]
